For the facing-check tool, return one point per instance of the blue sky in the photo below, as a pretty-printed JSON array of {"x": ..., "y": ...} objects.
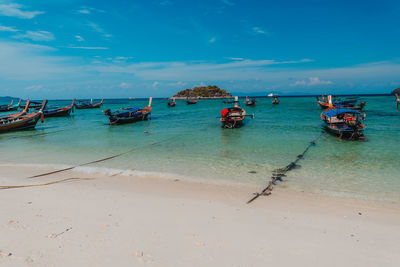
[{"x": 64, "y": 49}]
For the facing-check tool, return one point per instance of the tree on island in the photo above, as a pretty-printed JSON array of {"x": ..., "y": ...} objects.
[
  {"x": 203, "y": 91},
  {"x": 396, "y": 91}
]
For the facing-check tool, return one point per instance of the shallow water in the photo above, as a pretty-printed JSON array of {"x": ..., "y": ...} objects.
[{"x": 192, "y": 144}]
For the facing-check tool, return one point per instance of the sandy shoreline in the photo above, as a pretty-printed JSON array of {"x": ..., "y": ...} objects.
[{"x": 132, "y": 221}]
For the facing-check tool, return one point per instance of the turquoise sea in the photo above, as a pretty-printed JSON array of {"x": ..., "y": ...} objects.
[{"x": 192, "y": 145}]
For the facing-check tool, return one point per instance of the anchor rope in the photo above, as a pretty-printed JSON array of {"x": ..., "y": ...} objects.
[
  {"x": 277, "y": 174},
  {"x": 43, "y": 184},
  {"x": 101, "y": 160}
]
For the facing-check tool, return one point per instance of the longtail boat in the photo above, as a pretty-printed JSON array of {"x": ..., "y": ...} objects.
[
  {"x": 32, "y": 104},
  {"x": 397, "y": 100},
  {"x": 172, "y": 103},
  {"x": 58, "y": 112},
  {"x": 233, "y": 117},
  {"x": 275, "y": 101},
  {"x": 128, "y": 115},
  {"x": 349, "y": 104},
  {"x": 250, "y": 102},
  {"x": 228, "y": 101},
  {"x": 88, "y": 105},
  {"x": 10, "y": 107},
  {"x": 190, "y": 102},
  {"x": 344, "y": 122},
  {"x": 22, "y": 120}
]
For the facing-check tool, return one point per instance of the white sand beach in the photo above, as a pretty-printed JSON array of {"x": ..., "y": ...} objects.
[{"x": 149, "y": 221}]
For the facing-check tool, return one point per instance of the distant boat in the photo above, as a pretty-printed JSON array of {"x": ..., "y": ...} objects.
[
  {"x": 88, "y": 105},
  {"x": 276, "y": 100},
  {"x": 172, "y": 103},
  {"x": 10, "y": 107},
  {"x": 233, "y": 117},
  {"x": 190, "y": 102},
  {"x": 344, "y": 122},
  {"x": 132, "y": 98},
  {"x": 272, "y": 95},
  {"x": 397, "y": 100},
  {"x": 128, "y": 115},
  {"x": 32, "y": 104},
  {"x": 58, "y": 112},
  {"x": 21, "y": 120},
  {"x": 249, "y": 102},
  {"x": 350, "y": 104}
]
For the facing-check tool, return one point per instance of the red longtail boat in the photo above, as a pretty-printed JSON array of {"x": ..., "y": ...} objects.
[
  {"x": 58, "y": 112},
  {"x": 21, "y": 120},
  {"x": 88, "y": 105}
]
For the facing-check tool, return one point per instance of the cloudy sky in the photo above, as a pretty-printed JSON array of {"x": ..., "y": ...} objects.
[{"x": 140, "y": 48}]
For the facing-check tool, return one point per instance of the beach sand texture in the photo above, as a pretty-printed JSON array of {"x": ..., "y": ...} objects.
[{"x": 149, "y": 221}]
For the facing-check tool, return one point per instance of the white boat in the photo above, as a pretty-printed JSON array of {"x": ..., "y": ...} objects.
[{"x": 272, "y": 95}]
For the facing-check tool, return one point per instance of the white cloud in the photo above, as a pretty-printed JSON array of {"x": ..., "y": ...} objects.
[
  {"x": 79, "y": 38},
  {"x": 124, "y": 85},
  {"x": 311, "y": 82},
  {"x": 227, "y": 2},
  {"x": 15, "y": 10},
  {"x": 259, "y": 30},
  {"x": 177, "y": 84},
  {"x": 212, "y": 40},
  {"x": 24, "y": 64},
  {"x": 235, "y": 58},
  {"x": 34, "y": 87},
  {"x": 36, "y": 36},
  {"x": 88, "y": 10},
  {"x": 84, "y": 11},
  {"x": 89, "y": 47},
  {"x": 7, "y": 29},
  {"x": 95, "y": 27},
  {"x": 22, "y": 61}
]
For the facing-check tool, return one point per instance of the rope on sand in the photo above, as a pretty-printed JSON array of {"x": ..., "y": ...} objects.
[
  {"x": 49, "y": 183},
  {"x": 277, "y": 174}
]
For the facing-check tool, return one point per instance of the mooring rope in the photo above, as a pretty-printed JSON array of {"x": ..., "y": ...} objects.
[
  {"x": 49, "y": 183},
  {"x": 38, "y": 134},
  {"x": 277, "y": 174},
  {"x": 103, "y": 159}
]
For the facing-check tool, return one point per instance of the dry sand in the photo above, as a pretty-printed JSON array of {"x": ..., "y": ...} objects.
[{"x": 135, "y": 221}]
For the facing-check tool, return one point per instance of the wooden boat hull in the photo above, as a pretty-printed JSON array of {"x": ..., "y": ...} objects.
[
  {"x": 21, "y": 124},
  {"x": 191, "y": 102},
  {"x": 129, "y": 116},
  {"x": 87, "y": 106},
  {"x": 58, "y": 113},
  {"x": 233, "y": 121},
  {"x": 114, "y": 120},
  {"x": 275, "y": 102},
  {"x": 250, "y": 103},
  {"x": 345, "y": 134},
  {"x": 350, "y": 128},
  {"x": 171, "y": 104},
  {"x": 7, "y": 109},
  {"x": 229, "y": 124}
]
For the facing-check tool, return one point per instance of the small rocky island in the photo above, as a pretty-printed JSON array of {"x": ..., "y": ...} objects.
[
  {"x": 203, "y": 92},
  {"x": 396, "y": 91}
]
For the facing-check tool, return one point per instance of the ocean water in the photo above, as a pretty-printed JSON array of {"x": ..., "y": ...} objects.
[{"x": 187, "y": 141}]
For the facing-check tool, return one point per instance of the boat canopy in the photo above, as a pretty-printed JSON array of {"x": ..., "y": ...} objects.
[{"x": 338, "y": 111}]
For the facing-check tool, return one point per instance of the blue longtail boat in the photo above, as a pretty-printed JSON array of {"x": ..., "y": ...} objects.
[
  {"x": 128, "y": 115},
  {"x": 344, "y": 122}
]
